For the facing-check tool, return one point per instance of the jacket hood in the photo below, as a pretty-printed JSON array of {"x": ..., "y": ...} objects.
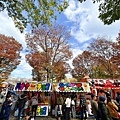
[{"x": 110, "y": 104}]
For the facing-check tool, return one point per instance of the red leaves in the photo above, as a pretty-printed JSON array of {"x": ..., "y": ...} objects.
[
  {"x": 9, "y": 55},
  {"x": 49, "y": 50}
]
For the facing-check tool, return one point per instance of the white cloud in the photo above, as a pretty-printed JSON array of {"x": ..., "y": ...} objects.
[
  {"x": 24, "y": 70},
  {"x": 8, "y": 28},
  {"x": 86, "y": 24},
  {"x": 75, "y": 51}
]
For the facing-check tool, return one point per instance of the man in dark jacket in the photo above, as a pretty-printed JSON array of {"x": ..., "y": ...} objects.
[
  {"x": 21, "y": 103},
  {"x": 102, "y": 109},
  {"x": 118, "y": 101},
  {"x": 83, "y": 106}
]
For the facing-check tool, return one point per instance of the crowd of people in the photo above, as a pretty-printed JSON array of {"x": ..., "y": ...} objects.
[
  {"x": 102, "y": 107},
  {"x": 20, "y": 108}
]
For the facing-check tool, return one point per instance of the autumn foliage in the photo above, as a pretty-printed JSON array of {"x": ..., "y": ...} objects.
[
  {"x": 48, "y": 51},
  {"x": 100, "y": 60},
  {"x": 9, "y": 55}
]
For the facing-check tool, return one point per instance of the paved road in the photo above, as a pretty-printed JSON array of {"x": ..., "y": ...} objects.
[
  {"x": 37, "y": 118},
  {"x": 44, "y": 118}
]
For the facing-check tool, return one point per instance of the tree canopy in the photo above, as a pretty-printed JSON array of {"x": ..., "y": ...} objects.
[
  {"x": 9, "y": 55},
  {"x": 82, "y": 65},
  {"x": 100, "y": 60},
  {"x": 35, "y": 12},
  {"x": 109, "y": 10},
  {"x": 49, "y": 50},
  {"x": 32, "y": 12}
]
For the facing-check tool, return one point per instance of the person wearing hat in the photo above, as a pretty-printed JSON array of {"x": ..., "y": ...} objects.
[
  {"x": 94, "y": 105},
  {"x": 103, "y": 112}
]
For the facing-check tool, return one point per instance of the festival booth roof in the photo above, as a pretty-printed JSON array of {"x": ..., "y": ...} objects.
[
  {"x": 48, "y": 87},
  {"x": 72, "y": 87},
  {"x": 33, "y": 86},
  {"x": 105, "y": 83}
]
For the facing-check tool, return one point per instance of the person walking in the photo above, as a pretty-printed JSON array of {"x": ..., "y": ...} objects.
[
  {"x": 73, "y": 107},
  {"x": 59, "y": 106},
  {"x": 34, "y": 102},
  {"x": 6, "y": 107},
  {"x": 94, "y": 106},
  {"x": 83, "y": 106},
  {"x": 68, "y": 107},
  {"x": 103, "y": 112},
  {"x": 26, "y": 108},
  {"x": 118, "y": 100},
  {"x": 22, "y": 99},
  {"x": 113, "y": 109},
  {"x": 88, "y": 107}
]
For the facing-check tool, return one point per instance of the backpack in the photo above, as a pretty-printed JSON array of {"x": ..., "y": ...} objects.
[{"x": 83, "y": 102}]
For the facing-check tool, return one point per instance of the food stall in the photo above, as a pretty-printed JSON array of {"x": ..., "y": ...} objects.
[
  {"x": 113, "y": 86},
  {"x": 72, "y": 88},
  {"x": 47, "y": 92},
  {"x": 42, "y": 90}
]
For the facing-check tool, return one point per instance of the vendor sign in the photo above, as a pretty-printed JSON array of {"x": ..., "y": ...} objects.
[
  {"x": 73, "y": 87},
  {"x": 42, "y": 110},
  {"x": 32, "y": 86},
  {"x": 44, "y": 86}
]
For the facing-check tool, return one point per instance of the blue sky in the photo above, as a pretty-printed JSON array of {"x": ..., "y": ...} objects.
[{"x": 81, "y": 20}]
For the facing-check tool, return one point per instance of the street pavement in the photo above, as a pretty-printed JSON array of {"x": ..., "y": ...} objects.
[{"x": 46, "y": 118}]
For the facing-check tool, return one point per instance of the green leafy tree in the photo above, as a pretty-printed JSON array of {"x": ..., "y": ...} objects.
[
  {"x": 109, "y": 10},
  {"x": 32, "y": 12}
]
